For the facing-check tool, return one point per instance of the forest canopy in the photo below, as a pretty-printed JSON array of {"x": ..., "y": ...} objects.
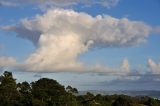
[{"x": 48, "y": 92}]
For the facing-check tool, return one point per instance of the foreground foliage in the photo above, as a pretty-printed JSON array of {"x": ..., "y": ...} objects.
[{"x": 48, "y": 92}]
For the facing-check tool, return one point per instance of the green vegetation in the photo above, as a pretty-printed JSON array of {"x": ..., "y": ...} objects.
[{"x": 48, "y": 92}]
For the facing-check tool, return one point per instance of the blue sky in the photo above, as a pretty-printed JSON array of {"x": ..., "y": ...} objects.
[{"x": 18, "y": 50}]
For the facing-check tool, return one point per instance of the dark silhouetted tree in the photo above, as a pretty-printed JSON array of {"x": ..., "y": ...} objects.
[
  {"x": 120, "y": 101},
  {"x": 8, "y": 90},
  {"x": 71, "y": 90},
  {"x": 48, "y": 92},
  {"x": 25, "y": 92}
]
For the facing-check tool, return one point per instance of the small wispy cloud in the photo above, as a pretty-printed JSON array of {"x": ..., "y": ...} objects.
[
  {"x": 154, "y": 67},
  {"x": 7, "y": 3},
  {"x": 106, "y": 3},
  {"x": 38, "y": 75},
  {"x": 6, "y": 62}
]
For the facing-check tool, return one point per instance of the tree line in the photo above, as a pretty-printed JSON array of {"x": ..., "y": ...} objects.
[{"x": 48, "y": 92}]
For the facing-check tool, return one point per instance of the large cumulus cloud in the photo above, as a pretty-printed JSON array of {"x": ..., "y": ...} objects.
[
  {"x": 101, "y": 30},
  {"x": 60, "y": 36}
]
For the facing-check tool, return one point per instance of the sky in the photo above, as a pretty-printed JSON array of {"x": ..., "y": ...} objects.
[{"x": 88, "y": 44}]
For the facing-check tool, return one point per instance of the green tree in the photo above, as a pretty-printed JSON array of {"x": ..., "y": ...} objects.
[
  {"x": 25, "y": 92},
  {"x": 70, "y": 96},
  {"x": 71, "y": 90},
  {"x": 153, "y": 102},
  {"x": 103, "y": 100},
  {"x": 9, "y": 95},
  {"x": 89, "y": 100},
  {"x": 121, "y": 101},
  {"x": 48, "y": 92}
]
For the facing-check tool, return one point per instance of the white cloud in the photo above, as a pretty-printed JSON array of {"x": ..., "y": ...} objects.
[
  {"x": 100, "y": 30},
  {"x": 6, "y": 62},
  {"x": 154, "y": 67},
  {"x": 7, "y": 3},
  {"x": 125, "y": 65},
  {"x": 122, "y": 70},
  {"x": 106, "y": 3},
  {"x": 62, "y": 35},
  {"x": 57, "y": 53}
]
